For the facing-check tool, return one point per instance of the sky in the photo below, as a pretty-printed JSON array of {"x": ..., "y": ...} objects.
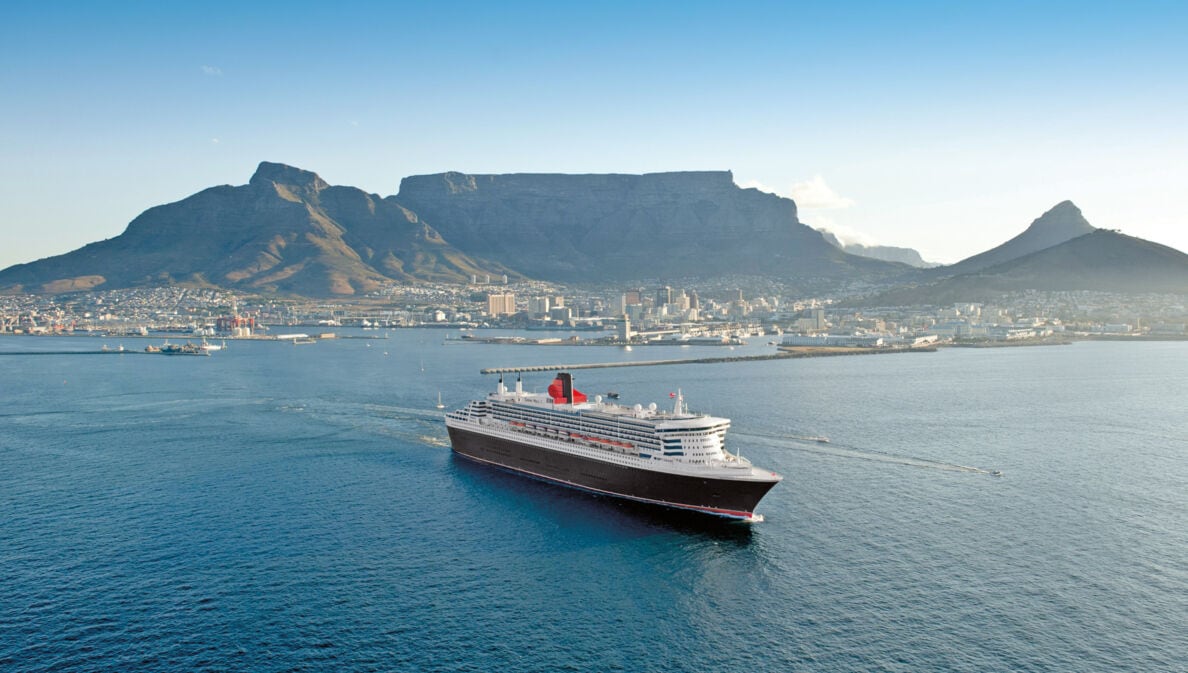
[{"x": 945, "y": 127}]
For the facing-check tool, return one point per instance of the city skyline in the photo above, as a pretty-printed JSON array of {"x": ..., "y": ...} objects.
[{"x": 945, "y": 129}]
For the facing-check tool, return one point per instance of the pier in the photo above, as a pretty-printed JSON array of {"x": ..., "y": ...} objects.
[
  {"x": 789, "y": 354},
  {"x": 100, "y": 352}
]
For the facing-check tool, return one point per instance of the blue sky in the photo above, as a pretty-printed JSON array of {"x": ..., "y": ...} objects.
[{"x": 946, "y": 127}]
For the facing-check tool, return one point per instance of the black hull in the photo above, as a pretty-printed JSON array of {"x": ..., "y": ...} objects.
[{"x": 721, "y": 497}]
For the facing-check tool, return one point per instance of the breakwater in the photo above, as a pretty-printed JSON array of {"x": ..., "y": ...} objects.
[{"x": 807, "y": 352}]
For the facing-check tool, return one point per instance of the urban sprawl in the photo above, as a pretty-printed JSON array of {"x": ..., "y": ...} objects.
[{"x": 704, "y": 314}]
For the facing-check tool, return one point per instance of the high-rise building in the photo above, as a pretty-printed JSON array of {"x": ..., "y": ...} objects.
[
  {"x": 539, "y": 306},
  {"x": 817, "y": 318},
  {"x": 682, "y": 300},
  {"x": 663, "y": 296},
  {"x": 625, "y": 332},
  {"x": 501, "y": 304}
]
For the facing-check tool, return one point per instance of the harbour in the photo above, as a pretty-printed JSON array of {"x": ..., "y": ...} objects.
[{"x": 287, "y": 537}]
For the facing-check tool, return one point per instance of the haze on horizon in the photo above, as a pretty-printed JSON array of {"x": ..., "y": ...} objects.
[{"x": 942, "y": 128}]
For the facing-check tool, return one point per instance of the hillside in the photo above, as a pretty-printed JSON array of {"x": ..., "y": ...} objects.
[
  {"x": 285, "y": 231},
  {"x": 628, "y": 227},
  {"x": 288, "y": 231},
  {"x": 1104, "y": 261},
  {"x": 1063, "y": 222},
  {"x": 887, "y": 253}
]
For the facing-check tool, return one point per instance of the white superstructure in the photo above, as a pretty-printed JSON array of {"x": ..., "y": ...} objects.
[{"x": 673, "y": 441}]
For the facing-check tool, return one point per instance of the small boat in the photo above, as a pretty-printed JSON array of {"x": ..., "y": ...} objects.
[
  {"x": 439, "y": 404},
  {"x": 612, "y": 395},
  {"x": 187, "y": 349}
]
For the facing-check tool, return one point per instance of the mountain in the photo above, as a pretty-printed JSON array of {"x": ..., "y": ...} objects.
[
  {"x": 614, "y": 227},
  {"x": 288, "y": 231},
  {"x": 285, "y": 231},
  {"x": 887, "y": 253},
  {"x": 1063, "y": 222},
  {"x": 1103, "y": 260}
]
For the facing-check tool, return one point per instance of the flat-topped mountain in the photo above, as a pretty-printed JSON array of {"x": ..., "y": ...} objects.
[
  {"x": 627, "y": 227},
  {"x": 289, "y": 231},
  {"x": 285, "y": 231}
]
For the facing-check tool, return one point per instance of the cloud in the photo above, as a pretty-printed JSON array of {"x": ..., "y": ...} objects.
[
  {"x": 816, "y": 195},
  {"x": 215, "y": 141},
  {"x": 847, "y": 235},
  {"x": 212, "y": 71}
]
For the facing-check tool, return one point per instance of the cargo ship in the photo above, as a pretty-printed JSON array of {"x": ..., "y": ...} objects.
[{"x": 671, "y": 458}]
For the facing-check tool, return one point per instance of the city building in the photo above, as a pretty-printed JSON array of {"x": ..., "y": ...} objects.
[{"x": 501, "y": 304}]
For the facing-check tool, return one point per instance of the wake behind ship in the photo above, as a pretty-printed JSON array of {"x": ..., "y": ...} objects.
[{"x": 670, "y": 458}]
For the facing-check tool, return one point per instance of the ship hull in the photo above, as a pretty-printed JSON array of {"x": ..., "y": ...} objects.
[{"x": 733, "y": 498}]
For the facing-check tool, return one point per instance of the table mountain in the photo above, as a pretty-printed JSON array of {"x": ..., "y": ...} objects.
[{"x": 614, "y": 227}]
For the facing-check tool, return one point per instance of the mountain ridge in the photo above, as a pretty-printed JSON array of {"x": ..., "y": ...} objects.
[
  {"x": 288, "y": 231},
  {"x": 281, "y": 232},
  {"x": 1060, "y": 223},
  {"x": 1101, "y": 260},
  {"x": 565, "y": 227},
  {"x": 887, "y": 253}
]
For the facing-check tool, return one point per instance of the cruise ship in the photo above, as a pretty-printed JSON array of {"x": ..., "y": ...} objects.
[{"x": 671, "y": 457}]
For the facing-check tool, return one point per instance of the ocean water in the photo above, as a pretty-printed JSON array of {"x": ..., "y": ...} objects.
[{"x": 297, "y": 508}]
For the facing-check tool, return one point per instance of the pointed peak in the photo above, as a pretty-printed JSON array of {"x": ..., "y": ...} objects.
[
  {"x": 1064, "y": 216},
  {"x": 282, "y": 174},
  {"x": 1065, "y": 206}
]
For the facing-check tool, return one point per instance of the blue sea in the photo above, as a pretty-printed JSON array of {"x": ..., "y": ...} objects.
[{"x": 297, "y": 508}]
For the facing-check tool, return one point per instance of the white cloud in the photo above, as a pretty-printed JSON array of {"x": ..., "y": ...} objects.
[
  {"x": 212, "y": 71},
  {"x": 847, "y": 235},
  {"x": 216, "y": 141},
  {"x": 816, "y": 195}
]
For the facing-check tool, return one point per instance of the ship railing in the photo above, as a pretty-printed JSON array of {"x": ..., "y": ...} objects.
[{"x": 735, "y": 462}]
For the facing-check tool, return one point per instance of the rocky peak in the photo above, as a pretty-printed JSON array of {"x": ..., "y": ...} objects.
[
  {"x": 1062, "y": 222},
  {"x": 1063, "y": 219},
  {"x": 288, "y": 176}
]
